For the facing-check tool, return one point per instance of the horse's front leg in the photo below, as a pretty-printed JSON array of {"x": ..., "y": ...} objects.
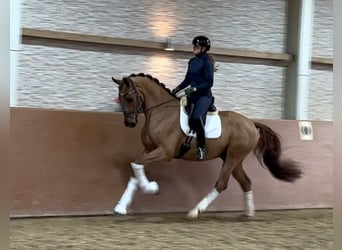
[
  {"x": 155, "y": 155},
  {"x": 127, "y": 196},
  {"x": 140, "y": 179},
  {"x": 148, "y": 187}
]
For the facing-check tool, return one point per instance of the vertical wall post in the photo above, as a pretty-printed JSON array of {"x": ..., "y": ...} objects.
[
  {"x": 299, "y": 43},
  {"x": 15, "y": 41}
]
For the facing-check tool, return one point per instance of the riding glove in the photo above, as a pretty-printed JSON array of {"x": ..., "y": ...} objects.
[
  {"x": 175, "y": 90},
  {"x": 189, "y": 91}
]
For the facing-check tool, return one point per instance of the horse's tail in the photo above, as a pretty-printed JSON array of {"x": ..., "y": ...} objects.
[{"x": 268, "y": 152}]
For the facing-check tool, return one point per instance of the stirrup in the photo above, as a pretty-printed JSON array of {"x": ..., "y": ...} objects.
[{"x": 201, "y": 153}]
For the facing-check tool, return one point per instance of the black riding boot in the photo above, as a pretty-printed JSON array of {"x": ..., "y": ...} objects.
[{"x": 201, "y": 148}]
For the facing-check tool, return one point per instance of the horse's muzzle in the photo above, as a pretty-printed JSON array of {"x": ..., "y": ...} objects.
[{"x": 130, "y": 122}]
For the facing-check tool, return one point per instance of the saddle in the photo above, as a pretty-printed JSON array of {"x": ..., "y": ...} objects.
[{"x": 212, "y": 126}]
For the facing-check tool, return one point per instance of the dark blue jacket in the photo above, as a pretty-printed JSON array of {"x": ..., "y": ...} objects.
[{"x": 200, "y": 74}]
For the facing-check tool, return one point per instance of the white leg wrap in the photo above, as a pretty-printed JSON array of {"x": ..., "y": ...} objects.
[
  {"x": 146, "y": 186},
  {"x": 206, "y": 201},
  {"x": 203, "y": 204},
  {"x": 249, "y": 203},
  {"x": 127, "y": 196}
]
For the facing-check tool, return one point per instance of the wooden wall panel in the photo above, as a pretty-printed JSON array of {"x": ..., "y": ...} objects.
[{"x": 77, "y": 163}]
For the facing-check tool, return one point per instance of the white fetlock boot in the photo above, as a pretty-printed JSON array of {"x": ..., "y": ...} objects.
[
  {"x": 203, "y": 204},
  {"x": 126, "y": 198},
  {"x": 249, "y": 203},
  {"x": 148, "y": 187}
]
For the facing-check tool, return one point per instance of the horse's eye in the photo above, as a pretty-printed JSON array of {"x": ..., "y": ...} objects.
[{"x": 129, "y": 99}]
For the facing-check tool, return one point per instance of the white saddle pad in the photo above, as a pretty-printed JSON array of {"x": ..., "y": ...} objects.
[{"x": 212, "y": 128}]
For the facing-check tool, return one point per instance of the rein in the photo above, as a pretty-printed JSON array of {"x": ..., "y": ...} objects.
[{"x": 156, "y": 106}]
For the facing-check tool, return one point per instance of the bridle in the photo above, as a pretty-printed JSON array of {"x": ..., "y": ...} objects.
[{"x": 138, "y": 99}]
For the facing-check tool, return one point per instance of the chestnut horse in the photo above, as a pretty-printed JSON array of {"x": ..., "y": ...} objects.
[{"x": 162, "y": 138}]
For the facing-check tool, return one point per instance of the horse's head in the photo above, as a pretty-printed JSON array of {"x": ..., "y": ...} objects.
[{"x": 130, "y": 100}]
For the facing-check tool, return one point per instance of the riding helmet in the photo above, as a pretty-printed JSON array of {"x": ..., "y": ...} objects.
[{"x": 202, "y": 41}]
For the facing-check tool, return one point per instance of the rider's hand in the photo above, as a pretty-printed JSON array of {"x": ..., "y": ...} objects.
[
  {"x": 175, "y": 90},
  {"x": 190, "y": 90}
]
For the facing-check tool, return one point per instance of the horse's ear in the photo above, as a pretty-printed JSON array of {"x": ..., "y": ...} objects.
[{"x": 119, "y": 82}]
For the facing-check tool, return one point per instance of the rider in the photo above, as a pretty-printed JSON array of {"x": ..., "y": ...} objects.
[{"x": 200, "y": 78}]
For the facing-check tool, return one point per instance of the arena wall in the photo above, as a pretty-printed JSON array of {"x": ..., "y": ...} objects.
[
  {"x": 68, "y": 76},
  {"x": 77, "y": 163}
]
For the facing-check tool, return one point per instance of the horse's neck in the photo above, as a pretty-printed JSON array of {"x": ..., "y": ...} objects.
[{"x": 155, "y": 97}]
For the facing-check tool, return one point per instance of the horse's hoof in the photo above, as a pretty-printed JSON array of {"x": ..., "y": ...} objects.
[
  {"x": 151, "y": 188},
  {"x": 250, "y": 213},
  {"x": 120, "y": 210},
  {"x": 193, "y": 214}
]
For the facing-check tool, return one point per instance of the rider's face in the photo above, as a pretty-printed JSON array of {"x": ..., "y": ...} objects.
[{"x": 197, "y": 49}]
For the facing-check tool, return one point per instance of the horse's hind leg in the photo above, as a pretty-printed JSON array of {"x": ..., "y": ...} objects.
[
  {"x": 228, "y": 166},
  {"x": 245, "y": 184}
]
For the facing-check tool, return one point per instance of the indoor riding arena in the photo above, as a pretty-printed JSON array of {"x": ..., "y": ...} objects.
[{"x": 75, "y": 185}]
